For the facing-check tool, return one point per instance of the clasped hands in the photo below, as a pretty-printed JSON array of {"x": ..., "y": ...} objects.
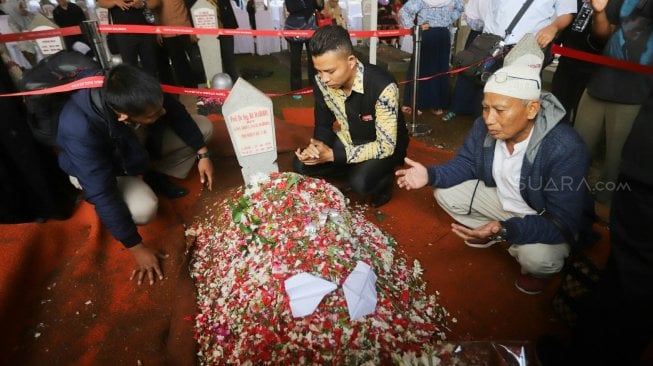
[{"x": 317, "y": 152}]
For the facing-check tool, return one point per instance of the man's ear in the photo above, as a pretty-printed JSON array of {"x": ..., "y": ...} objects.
[
  {"x": 352, "y": 61},
  {"x": 533, "y": 108},
  {"x": 122, "y": 117}
]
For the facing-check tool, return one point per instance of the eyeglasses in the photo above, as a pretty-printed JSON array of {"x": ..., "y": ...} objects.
[{"x": 502, "y": 77}]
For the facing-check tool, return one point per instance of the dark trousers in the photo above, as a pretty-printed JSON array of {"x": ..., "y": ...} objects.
[
  {"x": 133, "y": 47},
  {"x": 617, "y": 325},
  {"x": 179, "y": 49},
  {"x": 434, "y": 59},
  {"x": 296, "y": 65},
  {"x": 569, "y": 82},
  {"x": 228, "y": 57},
  {"x": 365, "y": 178},
  {"x": 467, "y": 94}
]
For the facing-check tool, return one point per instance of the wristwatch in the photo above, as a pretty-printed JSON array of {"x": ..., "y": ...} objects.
[
  {"x": 205, "y": 155},
  {"x": 501, "y": 235}
]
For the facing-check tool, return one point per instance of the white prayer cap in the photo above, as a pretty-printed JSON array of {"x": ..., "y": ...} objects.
[{"x": 520, "y": 76}]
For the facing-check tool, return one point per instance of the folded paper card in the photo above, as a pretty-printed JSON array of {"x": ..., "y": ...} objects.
[
  {"x": 305, "y": 292},
  {"x": 360, "y": 291}
]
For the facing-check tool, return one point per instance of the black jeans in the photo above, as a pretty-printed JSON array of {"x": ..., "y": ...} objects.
[
  {"x": 369, "y": 177},
  {"x": 228, "y": 57},
  {"x": 179, "y": 49},
  {"x": 296, "y": 65},
  {"x": 133, "y": 47}
]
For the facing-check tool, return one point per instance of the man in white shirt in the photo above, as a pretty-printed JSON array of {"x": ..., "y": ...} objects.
[
  {"x": 519, "y": 176},
  {"x": 544, "y": 18}
]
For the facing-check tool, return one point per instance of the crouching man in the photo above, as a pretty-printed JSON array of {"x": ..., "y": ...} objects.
[
  {"x": 519, "y": 176},
  {"x": 359, "y": 132},
  {"x": 111, "y": 136}
]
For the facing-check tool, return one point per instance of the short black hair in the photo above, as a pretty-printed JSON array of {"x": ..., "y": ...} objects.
[
  {"x": 331, "y": 38},
  {"x": 130, "y": 90}
]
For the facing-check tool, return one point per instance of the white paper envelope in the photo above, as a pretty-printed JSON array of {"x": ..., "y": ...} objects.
[
  {"x": 305, "y": 292},
  {"x": 360, "y": 291}
]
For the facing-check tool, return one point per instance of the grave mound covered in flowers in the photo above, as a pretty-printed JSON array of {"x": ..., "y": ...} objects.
[{"x": 282, "y": 225}]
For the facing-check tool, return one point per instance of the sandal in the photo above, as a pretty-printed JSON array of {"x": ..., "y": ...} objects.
[
  {"x": 449, "y": 116},
  {"x": 437, "y": 112},
  {"x": 409, "y": 110}
]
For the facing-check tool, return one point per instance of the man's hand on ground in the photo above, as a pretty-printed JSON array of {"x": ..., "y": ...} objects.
[
  {"x": 147, "y": 261},
  {"x": 205, "y": 167},
  {"x": 414, "y": 177},
  {"x": 479, "y": 234}
]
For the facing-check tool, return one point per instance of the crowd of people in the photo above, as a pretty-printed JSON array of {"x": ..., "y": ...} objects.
[{"x": 497, "y": 188}]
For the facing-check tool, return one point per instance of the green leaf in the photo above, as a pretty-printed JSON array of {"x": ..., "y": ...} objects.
[
  {"x": 237, "y": 216},
  {"x": 242, "y": 202},
  {"x": 380, "y": 216},
  {"x": 292, "y": 180},
  {"x": 245, "y": 229}
]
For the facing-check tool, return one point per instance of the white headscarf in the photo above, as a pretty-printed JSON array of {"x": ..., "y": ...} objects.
[{"x": 437, "y": 3}]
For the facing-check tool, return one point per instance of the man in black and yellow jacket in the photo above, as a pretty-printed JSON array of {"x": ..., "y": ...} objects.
[{"x": 359, "y": 131}]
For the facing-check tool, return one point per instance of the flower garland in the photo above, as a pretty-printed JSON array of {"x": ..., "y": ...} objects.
[{"x": 282, "y": 225}]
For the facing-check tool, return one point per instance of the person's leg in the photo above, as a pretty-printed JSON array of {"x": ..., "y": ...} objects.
[
  {"x": 589, "y": 122},
  {"x": 632, "y": 251},
  {"x": 618, "y": 123},
  {"x": 140, "y": 199},
  {"x": 408, "y": 88},
  {"x": 427, "y": 90},
  {"x": 177, "y": 157},
  {"x": 471, "y": 203},
  {"x": 128, "y": 48},
  {"x": 441, "y": 64},
  {"x": 175, "y": 46},
  {"x": 371, "y": 176},
  {"x": 326, "y": 170},
  {"x": 617, "y": 323},
  {"x": 309, "y": 65},
  {"x": 540, "y": 260},
  {"x": 228, "y": 57},
  {"x": 147, "y": 49},
  {"x": 295, "y": 65}
]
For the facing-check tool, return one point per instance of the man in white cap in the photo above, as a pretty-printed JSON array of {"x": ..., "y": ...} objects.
[{"x": 519, "y": 177}]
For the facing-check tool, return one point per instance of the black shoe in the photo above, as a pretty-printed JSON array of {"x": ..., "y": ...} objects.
[
  {"x": 346, "y": 189},
  {"x": 162, "y": 185},
  {"x": 383, "y": 197}
]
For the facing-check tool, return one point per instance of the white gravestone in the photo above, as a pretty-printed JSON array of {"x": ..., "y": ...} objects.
[
  {"x": 50, "y": 45},
  {"x": 250, "y": 122},
  {"x": 205, "y": 16}
]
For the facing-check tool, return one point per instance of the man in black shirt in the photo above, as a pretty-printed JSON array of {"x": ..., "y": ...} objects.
[
  {"x": 133, "y": 47},
  {"x": 68, "y": 15}
]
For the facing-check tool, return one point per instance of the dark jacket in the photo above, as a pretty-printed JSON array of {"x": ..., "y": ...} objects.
[
  {"x": 227, "y": 16},
  {"x": 305, "y": 8},
  {"x": 552, "y": 176},
  {"x": 95, "y": 148}
]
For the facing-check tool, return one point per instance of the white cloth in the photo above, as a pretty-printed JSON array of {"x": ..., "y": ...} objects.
[
  {"x": 540, "y": 14},
  {"x": 476, "y": 9},
  {"x": 506, "y": 171},
  {"x": 243, "y": 44},
  {"x": 266, "y": 45},
  {"x": 436, "y": 3}
]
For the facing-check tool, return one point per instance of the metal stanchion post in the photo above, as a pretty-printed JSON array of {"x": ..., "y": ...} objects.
[
  {"x": 91, "y": 30},
  {"x": 415, "y": 128}
]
